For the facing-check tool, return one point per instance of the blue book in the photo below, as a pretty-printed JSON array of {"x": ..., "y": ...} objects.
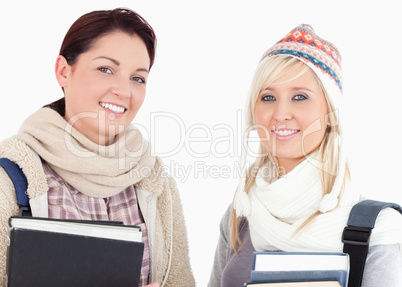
[
  {"x": 276, "y": 267},
  {"x": 297, "y": 284}
]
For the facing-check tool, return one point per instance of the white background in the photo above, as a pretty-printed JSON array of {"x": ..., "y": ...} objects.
[{"x": 207, "y": 52}]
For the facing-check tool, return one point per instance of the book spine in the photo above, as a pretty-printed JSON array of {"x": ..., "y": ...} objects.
[
  {"x": 10, "y": 235},
  {"x": 294, "y": 276}
]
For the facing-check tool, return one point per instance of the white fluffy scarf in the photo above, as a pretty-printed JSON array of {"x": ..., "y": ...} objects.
[{"x": 278, "y": 209}]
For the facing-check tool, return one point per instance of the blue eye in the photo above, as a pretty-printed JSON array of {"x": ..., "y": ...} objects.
[
  {"x": 268, "y": 98},
  {"x": 138, "y": 79},
  {"x": 300, "y": 98}
]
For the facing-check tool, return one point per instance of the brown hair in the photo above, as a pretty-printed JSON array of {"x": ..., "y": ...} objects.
[{"x": 91, "y": 26}]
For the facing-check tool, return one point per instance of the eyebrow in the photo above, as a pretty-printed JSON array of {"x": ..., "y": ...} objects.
[
  {"x": 110, "y": 59},
  {"x": 303, "y": 88},
  {"x": 117, "y": 63},
  {"x": 293, "y": 89}
]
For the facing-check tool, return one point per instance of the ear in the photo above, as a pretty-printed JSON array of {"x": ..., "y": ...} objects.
[
  {"x": 62, "y": 71},
  {"x": 327, "y": 120}
]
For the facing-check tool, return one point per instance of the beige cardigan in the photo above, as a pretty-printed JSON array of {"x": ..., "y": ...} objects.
[{"x": 158, "y": 198}]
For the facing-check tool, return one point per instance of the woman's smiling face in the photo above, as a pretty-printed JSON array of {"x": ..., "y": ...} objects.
[
  {"x": 105, "y": 87},
  {"x": 291, "y": 116}
]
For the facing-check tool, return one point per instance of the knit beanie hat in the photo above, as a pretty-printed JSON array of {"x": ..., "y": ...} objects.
[
  {"x": 320, "y": 55},
  {"x": 325, "y": 61}
]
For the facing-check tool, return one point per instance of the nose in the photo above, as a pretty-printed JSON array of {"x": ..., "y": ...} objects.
[
  {"x": 282, "y": 112},
  {"x": 121, "y": 87}
]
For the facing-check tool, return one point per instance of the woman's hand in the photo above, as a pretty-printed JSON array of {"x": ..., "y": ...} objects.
[{"x": 155, "y": 284}]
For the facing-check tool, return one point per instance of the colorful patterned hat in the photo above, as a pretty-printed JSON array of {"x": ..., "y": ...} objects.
[{"x": 320, "y": 55}]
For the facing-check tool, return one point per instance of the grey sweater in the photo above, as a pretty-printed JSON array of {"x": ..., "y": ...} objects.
[{"x": 383, "y": 266}]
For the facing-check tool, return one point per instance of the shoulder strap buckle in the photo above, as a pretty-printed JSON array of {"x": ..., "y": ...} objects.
[
  {"x": 25, "y": 211},
  {"x": 355, "y": 235}
]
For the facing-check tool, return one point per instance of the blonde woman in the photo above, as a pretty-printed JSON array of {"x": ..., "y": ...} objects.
[{"x": 296, "y": 195}]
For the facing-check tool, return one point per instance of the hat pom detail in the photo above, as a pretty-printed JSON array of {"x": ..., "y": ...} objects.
[{"x": 242, "y": 204}]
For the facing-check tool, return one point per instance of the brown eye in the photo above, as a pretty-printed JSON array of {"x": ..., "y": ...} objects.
[
  {"x": 138, "y": 79},
  {"x": 105, "y": 70}
]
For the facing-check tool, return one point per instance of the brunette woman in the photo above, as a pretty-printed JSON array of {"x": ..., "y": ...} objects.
[{"x": 83, "y": 159}]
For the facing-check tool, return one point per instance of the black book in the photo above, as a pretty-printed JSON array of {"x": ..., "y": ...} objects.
[{"x": 53, "y": 252}]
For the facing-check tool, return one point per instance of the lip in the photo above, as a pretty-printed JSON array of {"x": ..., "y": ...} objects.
[
  {"x": 285, "y": 134},
  {"x": 109, "y": 111}
]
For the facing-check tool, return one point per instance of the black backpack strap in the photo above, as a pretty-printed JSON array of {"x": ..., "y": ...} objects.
[
  {"x": 20, "y": 182},
  {"x": 356, "y": 236}
]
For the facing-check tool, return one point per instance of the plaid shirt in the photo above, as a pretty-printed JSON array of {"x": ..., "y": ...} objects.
[{"x": 66, "y": 202}]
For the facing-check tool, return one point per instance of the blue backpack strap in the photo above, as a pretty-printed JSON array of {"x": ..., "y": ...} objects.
[
  {"x": 20, "y": 182},
  {"x": 356, "y": 236}
]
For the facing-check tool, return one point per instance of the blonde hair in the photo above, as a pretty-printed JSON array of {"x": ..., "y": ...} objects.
[{"x": 267, "y": 72}]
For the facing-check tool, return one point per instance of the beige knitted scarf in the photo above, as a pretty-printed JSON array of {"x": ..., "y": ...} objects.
[{"x": 97, "y": 171}]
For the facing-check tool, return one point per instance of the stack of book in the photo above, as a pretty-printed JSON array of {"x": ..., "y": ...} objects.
[
  {"x": 299, "y": 269},
  {"x": 52, "y": 252}
]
